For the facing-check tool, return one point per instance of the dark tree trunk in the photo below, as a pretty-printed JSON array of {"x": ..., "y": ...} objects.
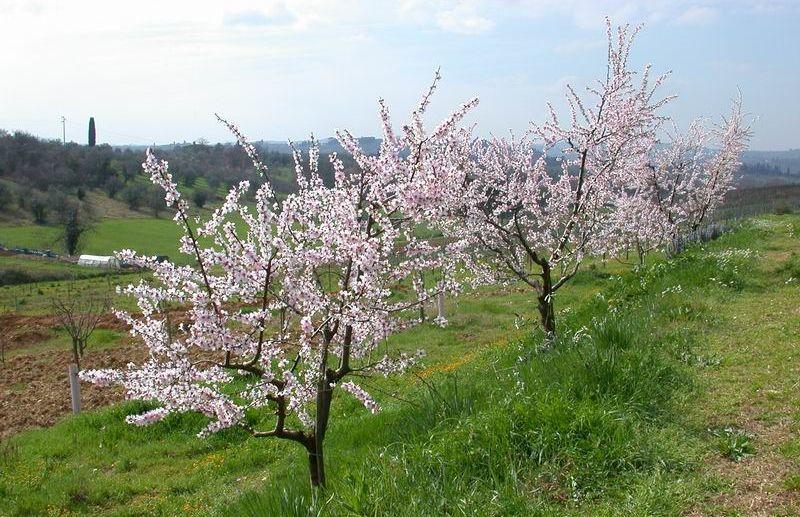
[
  {"x": 422, "y": 303},
  {"x": 76, "y": 353},
  {"x": 316, "y": 464},
  {"x": 640, "y": 251},
  {"x": 316, "y": 457},
  {"x": 545, "y": 298},
  {"x": 547, "y": 314}
]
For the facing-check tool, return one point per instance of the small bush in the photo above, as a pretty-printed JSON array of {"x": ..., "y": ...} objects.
[
  {"x": 134, "y": 195},
  {"x": 733, "y": 443},
  {"x": 201, "y": 196},
  {"x": 13, "y": 276}
]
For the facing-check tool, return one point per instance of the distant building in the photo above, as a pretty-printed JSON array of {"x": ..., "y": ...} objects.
[{"x": 98, "y": 261}]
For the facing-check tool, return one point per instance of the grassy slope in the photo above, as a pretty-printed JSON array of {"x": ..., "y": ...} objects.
[
  {"x": 754, "y": 391},
  {"x": 147, "y": 235},
  {"x": 36, "y": 298},
  {"x": 613, "y": 420},
  {"x": 37, "y": 269}
]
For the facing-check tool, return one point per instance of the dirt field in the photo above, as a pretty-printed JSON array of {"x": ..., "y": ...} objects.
[{"x": 34, "y": 387}]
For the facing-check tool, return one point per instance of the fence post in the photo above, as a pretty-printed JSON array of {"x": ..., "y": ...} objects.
[
  {"x": 440, "y": 303},
  {"x": 75, "y": 388}
]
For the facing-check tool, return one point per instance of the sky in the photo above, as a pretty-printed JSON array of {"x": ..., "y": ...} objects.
[{"x": 157, "y": 71}]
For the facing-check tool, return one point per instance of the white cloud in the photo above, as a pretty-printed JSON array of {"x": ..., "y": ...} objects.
[
  {"x": 699, "y": 15},
  {"x": 577, "y": 46},
  {"x": 274, "y": 15},
  {"x": 463, "y": 19}
]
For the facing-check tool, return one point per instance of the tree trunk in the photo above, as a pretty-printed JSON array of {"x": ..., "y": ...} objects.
[
  {"x": 547, "y": 314},
  {"x": 316, "y": 458},
  {"x": 422, "y": 303},
  {"x": 76, "y": 353},
  {"x": 316, "y": 464},
  {"x": 640, "y": 252},
  {"x": 545, "y": 298}
]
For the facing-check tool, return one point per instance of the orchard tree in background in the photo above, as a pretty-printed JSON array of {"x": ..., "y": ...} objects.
[
  {"x": 92, "y": 133},
  {"x": 79, "y": 316},
  {"x": 687, "y": 180},
  {"x": 536, "y": 224},
  {"x": 297, "y": 302},
  {"x": 134, "y": 195}
]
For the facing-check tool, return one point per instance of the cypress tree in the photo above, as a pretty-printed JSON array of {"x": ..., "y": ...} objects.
[{"x": 92, "y": 135}]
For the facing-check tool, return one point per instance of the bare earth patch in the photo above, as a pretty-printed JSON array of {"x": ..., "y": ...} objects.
[
  {"x": 23, "y": 331},
  {"x": 34, "y": 388},
  {"x": 756, "y": 483}
]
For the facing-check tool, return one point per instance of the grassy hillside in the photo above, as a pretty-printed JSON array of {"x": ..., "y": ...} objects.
[
  {"x": 671, "y": 390},
  {"x": 146, "y": 235},
  {"x": 18, "y": 269}
]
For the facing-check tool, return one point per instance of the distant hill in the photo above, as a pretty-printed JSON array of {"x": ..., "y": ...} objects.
[
  {"x": 369, "y": 144},
  {"x": 36, "y": 172},
  {"x": 779, "y": 162},
  {"x": 38, "y": 176},
  {"x": 787, "y": 161}
]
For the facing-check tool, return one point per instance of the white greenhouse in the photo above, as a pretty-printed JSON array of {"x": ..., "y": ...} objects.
[{"x": 98, "y": 261}]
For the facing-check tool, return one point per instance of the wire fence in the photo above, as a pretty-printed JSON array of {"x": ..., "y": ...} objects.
[{"x": 739, "y": 205}]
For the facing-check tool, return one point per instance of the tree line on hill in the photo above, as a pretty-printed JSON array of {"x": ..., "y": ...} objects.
[
  {"x": 43, "y": 172},
  {"x": 49, "y": 180},
  {"x": 764, "y": 169}
]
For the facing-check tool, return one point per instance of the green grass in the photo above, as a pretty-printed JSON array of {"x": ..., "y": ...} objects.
[
  {"x": 37, "y": 280},
  {"x": 20, "y": 269},
  {"x": 36, "y": 298},
  {"x": 613, "y": 419},
  {"x": 149, "y": 236}
]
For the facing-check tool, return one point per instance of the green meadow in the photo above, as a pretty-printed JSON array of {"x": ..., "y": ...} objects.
[
  {"x": 149, "y": 236},
  {"x": 670, "y": 390}
]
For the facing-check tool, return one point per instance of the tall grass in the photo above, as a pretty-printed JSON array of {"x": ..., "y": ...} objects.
[
  {"x": 592, "y": 425},
  {"x": 512, "y": 433}
]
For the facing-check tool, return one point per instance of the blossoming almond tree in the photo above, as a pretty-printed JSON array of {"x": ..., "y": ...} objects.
[
  {"x": 687, "y": 180},
  {"x": 538, "y": 224},
  {"x": 293, "y": 300}
]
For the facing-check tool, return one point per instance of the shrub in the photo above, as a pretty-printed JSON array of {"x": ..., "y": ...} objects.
[
  {"x": 39, "y": 207},
  {"x": 200, "y": 197},
  {"x": 134, "y": 195},
  {"x": 6, "y": 197},
  {"x": 783, "y": 208},
  {"x": 112, "y": 186}
]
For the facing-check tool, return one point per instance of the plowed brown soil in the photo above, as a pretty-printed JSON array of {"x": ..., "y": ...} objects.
[
  {"x": 34, "y": 385},
  {"x": 34, "y": 388}
]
